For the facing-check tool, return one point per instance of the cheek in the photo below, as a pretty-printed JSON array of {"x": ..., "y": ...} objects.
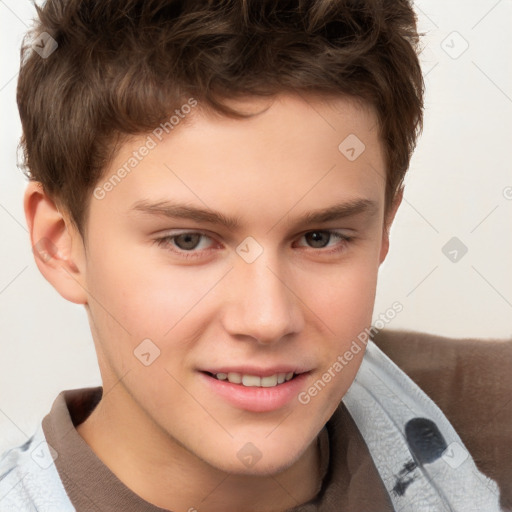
[
  {"x": 343, "y": 298},
  {"x": 146, "y": 298},
  {"x": 343, "y": 301}
]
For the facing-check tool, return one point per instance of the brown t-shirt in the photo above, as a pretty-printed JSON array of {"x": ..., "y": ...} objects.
[{"x": 350, "y": 481}]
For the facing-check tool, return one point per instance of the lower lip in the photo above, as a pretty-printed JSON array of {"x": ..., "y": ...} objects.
[{"x": 256, "y": 399}]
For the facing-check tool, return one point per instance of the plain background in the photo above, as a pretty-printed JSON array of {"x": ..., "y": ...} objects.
[{"x": 459, "y": 185}]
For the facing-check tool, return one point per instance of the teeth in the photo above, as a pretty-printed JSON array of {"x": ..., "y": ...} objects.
[
  {"x": 234, "y": 378},
  {"x": 254, "y": 380},
  {"x": 251, "y": 381},
  {"x": 269, "y": 382}
]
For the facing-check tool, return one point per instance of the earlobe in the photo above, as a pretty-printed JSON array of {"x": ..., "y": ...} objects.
[
  {"x": 387, "y": 224},
  {"x": 56, "y": 243}
]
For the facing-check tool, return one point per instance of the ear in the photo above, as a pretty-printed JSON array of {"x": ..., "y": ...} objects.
[
  {"x": 57, "y": 245},
  {"x": 388, "y": 220}
]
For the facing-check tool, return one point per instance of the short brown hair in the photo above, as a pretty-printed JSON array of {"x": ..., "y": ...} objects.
[{"x": 122, "y": 67}]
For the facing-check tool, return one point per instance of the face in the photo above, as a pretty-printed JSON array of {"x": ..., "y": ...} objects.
[{"x": 237, "y": 250}]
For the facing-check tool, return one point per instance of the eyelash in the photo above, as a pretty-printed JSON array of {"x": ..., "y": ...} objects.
[{"x": 165, "y": 242}]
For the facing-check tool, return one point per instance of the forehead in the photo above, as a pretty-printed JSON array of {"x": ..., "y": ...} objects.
[
  {"x": 293, "y": 118},
  {"x": 294, "y": 148}
]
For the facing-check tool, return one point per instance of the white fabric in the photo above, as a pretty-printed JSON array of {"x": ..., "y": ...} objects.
[
  {"x": 381, "y": 400},
  {"x": 29, "y": 481}
]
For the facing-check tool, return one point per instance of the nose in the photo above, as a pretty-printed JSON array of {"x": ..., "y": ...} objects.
[{"x": 262, "y": 305}]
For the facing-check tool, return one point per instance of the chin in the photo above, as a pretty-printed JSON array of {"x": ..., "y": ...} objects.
[{"x": 260, "y": 458}]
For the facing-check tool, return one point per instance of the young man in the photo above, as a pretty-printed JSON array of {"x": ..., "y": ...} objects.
[{"x": 215, "y": 182}]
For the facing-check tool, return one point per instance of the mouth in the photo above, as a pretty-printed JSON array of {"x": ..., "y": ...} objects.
[
  {"x": 255, "y": 390},
  {"x": 254, "y": 381}
]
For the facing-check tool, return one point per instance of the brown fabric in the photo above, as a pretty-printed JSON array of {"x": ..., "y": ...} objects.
[
  {"x": 471, "y": 382},
  {"x": 351, "y": 482}
]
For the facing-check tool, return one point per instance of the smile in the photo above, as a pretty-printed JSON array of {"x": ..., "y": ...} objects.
[
  {"x": 255, "y": 380},
  {"x": 252, "y": 392}
]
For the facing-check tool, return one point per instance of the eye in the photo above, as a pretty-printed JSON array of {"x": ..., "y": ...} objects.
[
  {"x": 186, "y": 242},
  {"x": 322, "y": 238}
]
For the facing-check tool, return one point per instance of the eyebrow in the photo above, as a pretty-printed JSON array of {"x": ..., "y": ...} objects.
[{"x": 175, "y": 210}]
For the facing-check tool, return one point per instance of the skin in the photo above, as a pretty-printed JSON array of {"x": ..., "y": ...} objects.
[{"x": 159, "y": 428}]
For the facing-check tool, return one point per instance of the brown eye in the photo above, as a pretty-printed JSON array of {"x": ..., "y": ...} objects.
[
  {"x": 187, "y": 241},
  {"x": 327, "y": 241},
  {"x": 187, "y": 244},
  {"x": 318, "y": 239}
]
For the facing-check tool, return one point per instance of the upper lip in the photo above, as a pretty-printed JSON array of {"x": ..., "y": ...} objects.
[{"x": 253, "y": 370}]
